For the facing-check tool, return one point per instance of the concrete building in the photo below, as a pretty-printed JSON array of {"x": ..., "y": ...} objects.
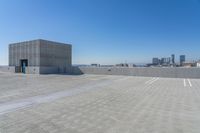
[
  {"x": 188, "y": 64},
  {"x": 198, "y": 64},
  {"x": 182, "y": 59},
  {"x": 173, "y": 59},
  {"x": 40, "y": 56},
  {"x": 155, "y": 61},
  {"x": 95, "y": 65},
  {"x": 165, "y": 61},
  {"x": 122, "y": 65}
]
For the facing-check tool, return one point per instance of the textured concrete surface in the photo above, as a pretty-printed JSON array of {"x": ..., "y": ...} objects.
[
  {"x": 174, "y": 72},
  {"x": 98, "y": 104},
  {"x": 7, "y": 69}
]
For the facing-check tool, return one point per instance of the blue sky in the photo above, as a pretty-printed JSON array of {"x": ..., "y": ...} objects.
[{"x": 105, "y": 31}]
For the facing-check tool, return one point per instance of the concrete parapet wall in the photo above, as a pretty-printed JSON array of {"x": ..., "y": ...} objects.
[
  {"x": 7, "y": 69},
  {"x": 45, "y": 70},
  {"x": 74, "y": 70},
  {"x": 145, "y": 72},
  {"x": 41, "y": 70},
  {"x": 49, "y": 70},
  {"x": 32, "y": 70}
]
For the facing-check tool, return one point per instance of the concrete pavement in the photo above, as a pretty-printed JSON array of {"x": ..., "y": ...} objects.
[{"x": 98, "y": 104}]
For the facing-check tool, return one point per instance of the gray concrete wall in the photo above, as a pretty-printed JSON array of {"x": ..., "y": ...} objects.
[
  {"x": 55, "y": 54},
  {"x": 44, "y": 70},
  {"x": 32, "y": 70},
  {"x": 145, "y": 72},
  {"x": 37, "y": 70},
  {"x": 25, "y": 50},
  {"x": 7, "y": 69},
  {"x": 49, "y": 70}
]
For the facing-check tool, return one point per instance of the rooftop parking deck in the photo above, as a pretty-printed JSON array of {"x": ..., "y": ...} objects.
[{"x": 98, "y": 104}]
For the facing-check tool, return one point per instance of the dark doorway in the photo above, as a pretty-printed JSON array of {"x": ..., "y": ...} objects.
[{"x": 24, "y": 64}]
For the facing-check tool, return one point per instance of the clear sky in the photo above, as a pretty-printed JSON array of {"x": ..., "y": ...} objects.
[{"x": 105, "y": 31}]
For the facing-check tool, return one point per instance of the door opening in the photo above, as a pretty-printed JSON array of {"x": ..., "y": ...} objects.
[{"x": 24, "y": 64}]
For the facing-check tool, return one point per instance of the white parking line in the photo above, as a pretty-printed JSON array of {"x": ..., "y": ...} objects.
[
  {"x": 184, "y": 83},
  {"x": 149, "y": 81},
  {"x": 189, "y": 82},
  {"x": 153, "y": 81}
]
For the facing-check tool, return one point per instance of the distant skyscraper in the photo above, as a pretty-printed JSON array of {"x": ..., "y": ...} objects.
[
  {"x": 168, "y": 60},
  {"x": 155, "y": 61},
  {"x": 162, "y": 61},
  {"x": 165, "y": 61},
  {"x": 173, "y": 59},
  {"x": 182, "y": 59}
]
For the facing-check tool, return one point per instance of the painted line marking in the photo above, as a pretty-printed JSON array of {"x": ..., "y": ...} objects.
[
  {"x": 184, "y": 83},
  {"x": 149, "y": 81},
  {"x": 153, "y": 81},
  {"x": 189, "y": 82}
]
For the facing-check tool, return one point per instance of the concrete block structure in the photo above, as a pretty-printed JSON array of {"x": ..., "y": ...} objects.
[{"x": 40, "y": 57}]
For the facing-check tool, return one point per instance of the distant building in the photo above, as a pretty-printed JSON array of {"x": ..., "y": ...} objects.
[
  {"x": 188, "y": 64},
  {"x": 149, "y": 65},
  {"x": 172, "y": 59},
  {"x": 162, "y": 60},
  {"x": 182, "y": 59},
  {"x": 131, "y": 65},
  {"x": 155, "y": 61},
  {"x": 95, "y": 65},
  {"x": 122, "y": 65},
  {"x": 165, "y": 61},
  {"x": 168, "y": 60},
  {"x": 198, "y": 64},
  {"x": 107, "y": 65}
]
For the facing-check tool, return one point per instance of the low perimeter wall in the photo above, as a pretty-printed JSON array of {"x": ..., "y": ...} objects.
[
  {"x": 145, "y": 72},
  {"x": 42, "y": 70},
  {"x": 7, "y": 69},
  {"x": 48, "y": 70},
  {"x": 137, "y": 71}
]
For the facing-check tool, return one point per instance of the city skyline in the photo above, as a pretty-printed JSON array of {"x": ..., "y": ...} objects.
[{"x": 105, "y": 32}]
